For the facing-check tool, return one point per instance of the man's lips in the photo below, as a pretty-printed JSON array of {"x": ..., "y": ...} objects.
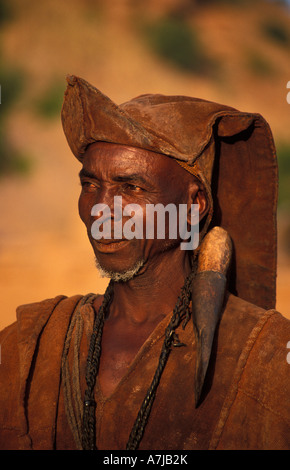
[{"x": 110, "y": 246}]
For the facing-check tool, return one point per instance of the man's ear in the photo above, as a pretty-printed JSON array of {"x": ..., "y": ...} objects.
[{"x": 196, "y": 195}]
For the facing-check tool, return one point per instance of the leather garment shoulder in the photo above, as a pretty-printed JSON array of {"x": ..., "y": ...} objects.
[{"x": 245, "y": 402}]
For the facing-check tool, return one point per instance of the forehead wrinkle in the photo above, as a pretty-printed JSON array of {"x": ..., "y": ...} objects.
[
  {"x": 114, "y": 154},
  {"x": 111, "y": 161},
  {"x": 117, "y": 173},
  {"x": 130, "y": 177},
  {"x": 118, "y": 163}
]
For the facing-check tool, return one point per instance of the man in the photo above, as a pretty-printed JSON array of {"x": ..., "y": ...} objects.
[{"x": 184, "y": 350}]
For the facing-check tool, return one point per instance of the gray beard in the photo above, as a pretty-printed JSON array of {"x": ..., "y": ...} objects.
[{"x": 120, "y": 276}]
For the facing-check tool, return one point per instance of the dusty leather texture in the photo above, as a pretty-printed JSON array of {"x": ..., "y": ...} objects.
[
  {"x": 230, "y": 151},
  {"x": 245, "y": 400}
]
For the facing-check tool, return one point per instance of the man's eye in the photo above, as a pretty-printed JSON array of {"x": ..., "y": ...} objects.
[
  {"x": 132, "y": 187},
  {"x": 88, "y": 185}
]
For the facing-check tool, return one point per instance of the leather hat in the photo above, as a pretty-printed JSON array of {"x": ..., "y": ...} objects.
[{"x": 230, "y": 151}]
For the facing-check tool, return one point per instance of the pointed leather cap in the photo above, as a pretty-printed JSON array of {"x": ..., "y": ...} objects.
[{"x": 231, "y": 152}]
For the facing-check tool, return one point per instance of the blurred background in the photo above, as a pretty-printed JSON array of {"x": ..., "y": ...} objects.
[{"x": 235, "y": 52}]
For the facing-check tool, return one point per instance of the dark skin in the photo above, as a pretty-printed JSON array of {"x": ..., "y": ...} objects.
[{"x": 141, "y": 177}]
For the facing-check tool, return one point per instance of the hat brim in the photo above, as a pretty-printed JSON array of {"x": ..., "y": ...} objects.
[{"x": 243, "y": 165}]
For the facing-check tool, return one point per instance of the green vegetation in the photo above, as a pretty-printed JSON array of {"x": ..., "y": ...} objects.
[
  {"x": 6, "y": 13},
  {"x": 179, "y": 44},
  {"x": 49, "y": 104},
  {"x": 283, "y": 153},
  {"x": 12, "y": 161},
  {"x": 275, "y": 31},
  {"x": 225, "y": 2},
  {"x": 12, "y": 83},
  {"x": 259, "y": 64}
]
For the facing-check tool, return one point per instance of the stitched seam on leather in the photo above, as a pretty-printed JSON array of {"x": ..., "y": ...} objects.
[
  {"x": 264, "y": 405},
  {"x": 24, "y": 429},
  {"x": 10, "y": 428},
  {"x": 234, "y": 387}
]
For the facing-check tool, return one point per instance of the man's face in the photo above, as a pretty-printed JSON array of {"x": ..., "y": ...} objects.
[{"x": 139, "y": 177}]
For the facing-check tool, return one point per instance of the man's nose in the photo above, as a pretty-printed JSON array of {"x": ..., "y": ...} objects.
[
  {"x": 103, "y": 198},
  {"x": 105, "y": 217},
  {"x": 108, "y": 205}
]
